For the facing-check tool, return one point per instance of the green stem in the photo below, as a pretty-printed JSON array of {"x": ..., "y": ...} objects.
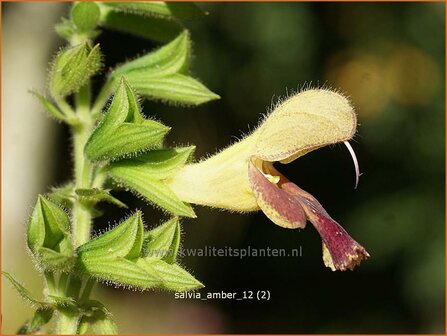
[
  {"x": 73, "y": 286},
  {"x": 50, "y": 282},
  {"x": 68, "y": 322},
  {"x": 62, "y": 285},
  {"x": 83, "y": 168},
  {"x": 69, "y": 284},
  {"x": 83, "y": 119},
  {"x": 81, "y": 229},
  {"x": 87, "y": 290},
  {"x": 65, "y": 107}
]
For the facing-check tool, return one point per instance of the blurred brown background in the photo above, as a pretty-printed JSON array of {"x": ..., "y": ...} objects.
[{"x": 388, "y": 57}]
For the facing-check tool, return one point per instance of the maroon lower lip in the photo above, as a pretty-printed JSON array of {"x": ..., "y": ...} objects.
[
  {"x": 345, "y": 253},
  {"x": 291, "y": 201},
  {"x": 279, "y": 206}
]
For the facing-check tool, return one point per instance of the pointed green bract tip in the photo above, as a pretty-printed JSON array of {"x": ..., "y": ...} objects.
[
  {"x": 124, "y": 131},
  {"x": 72, "y": 68}
]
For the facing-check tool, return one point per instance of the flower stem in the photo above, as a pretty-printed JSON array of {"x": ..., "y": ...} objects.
[
  {"x": 82, "y": 120},
  {"x": 82, "y": 167},
  {"x": 69, "y": 284}
]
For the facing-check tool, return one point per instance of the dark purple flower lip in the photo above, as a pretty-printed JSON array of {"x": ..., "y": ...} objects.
[{"x": 289, "y": 206}]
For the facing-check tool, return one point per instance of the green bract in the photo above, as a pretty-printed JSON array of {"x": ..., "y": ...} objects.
[
  {"x": 48, "y": 235},
  {"x": 52, "y": 110},
  {"x": 163, "y": 241},
  {"x": 109, "y": 256},
  {"x": 95, "y": 195},
  {"x": 173, "y": 276},
  {"x": 169, "y": 59},
  {"x": 23, "y": 292},
  {"x": 72, "y": 68},
  {"x": 169, "y": 10},
  {"x": 157, "y": 21},
  {"x": 116, "y": 256},
  {"x": 124, "y": 130},
  {"x": 145, "y": 175},
  {"x": 159, "y": 254},
  {"x": 98, "y": 320},
  {"x": 152, "y": 28},
  {"x": 175, "y": 87},
  {"x": 41, "y": 316},
  {"x": 125, "y": 241},
  {"x": 162, "y": 74}
]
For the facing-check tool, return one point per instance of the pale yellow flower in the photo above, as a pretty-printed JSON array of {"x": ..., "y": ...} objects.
[{"x": 242, "y": 176}]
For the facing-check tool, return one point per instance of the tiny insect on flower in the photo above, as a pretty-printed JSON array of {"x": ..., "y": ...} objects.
[{"x": 242, "y": 177}]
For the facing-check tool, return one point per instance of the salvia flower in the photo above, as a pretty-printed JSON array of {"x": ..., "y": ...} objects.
[{"x": 242, "y": 177}]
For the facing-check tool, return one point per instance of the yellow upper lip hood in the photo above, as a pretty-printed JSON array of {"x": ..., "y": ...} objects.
[{"x": 304, "y": 122}]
